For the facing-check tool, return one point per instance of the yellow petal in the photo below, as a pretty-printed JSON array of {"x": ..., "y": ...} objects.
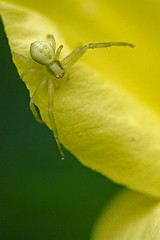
[
  {"x": 83, "y": 21},
  {"x": 130, "y": 216},
  {"x": 104, "y": 126}
]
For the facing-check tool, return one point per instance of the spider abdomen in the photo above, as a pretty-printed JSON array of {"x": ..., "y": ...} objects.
[{"x": 42, "y": 52}]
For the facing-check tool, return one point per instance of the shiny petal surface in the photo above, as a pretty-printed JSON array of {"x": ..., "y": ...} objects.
[
  {"x": 129, "y": 216},
  {"x": 104, "y": 125}
]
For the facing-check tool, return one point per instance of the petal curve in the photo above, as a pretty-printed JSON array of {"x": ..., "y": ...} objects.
[
  {"x": 129, "y": 216},
  {"x": 104, "y": 126}
]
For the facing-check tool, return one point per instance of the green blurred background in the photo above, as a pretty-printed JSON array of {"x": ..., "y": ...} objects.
[{"x": 41, "y": 196}]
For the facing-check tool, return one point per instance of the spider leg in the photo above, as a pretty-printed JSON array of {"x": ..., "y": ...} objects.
[
  {"x": 75, "y": 57},
  {"x": 69, "y": 57},
  {"x": 21, "y": 56},
  {"x": 26, "y": 72},
  {"x": 51, "y": 115},
  {"x": 53, "y": 40},
  {"x": 31, "y": 103},
  {"x": 58, "y": 51}
]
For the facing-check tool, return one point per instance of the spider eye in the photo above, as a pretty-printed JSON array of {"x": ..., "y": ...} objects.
[{"x": 42, "y": 52}]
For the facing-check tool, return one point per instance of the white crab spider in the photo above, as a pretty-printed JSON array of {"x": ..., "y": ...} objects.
[{"x": 46, "y": 54}]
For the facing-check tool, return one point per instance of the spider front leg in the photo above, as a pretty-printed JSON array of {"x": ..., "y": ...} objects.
[
  {"x": 51, "y": 115},
  {"x": 31, "y": 103},
  {"x": 59, "y": 51},
  {"x": 26, "y": 72},
  {"x": 77, "y": 53},
  {"x": 69, "y": 57}
]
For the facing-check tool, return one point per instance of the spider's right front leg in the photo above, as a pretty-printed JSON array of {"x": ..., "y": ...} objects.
[
  {"x": 31, "y": 103},
  {"x": 51, "y": 115}
]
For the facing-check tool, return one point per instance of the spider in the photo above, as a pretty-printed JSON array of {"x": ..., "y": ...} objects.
[{"x": 46, "y": 54}]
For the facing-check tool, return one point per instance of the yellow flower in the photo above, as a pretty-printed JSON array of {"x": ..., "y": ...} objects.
[
  {"x": 107, "y": 114},
  {"x": 129, "y": 216}
]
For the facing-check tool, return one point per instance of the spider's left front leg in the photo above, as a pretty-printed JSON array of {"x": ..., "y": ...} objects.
[
  {"x": 71, "y": 59},
  {"x": 51, "y": 115}
]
